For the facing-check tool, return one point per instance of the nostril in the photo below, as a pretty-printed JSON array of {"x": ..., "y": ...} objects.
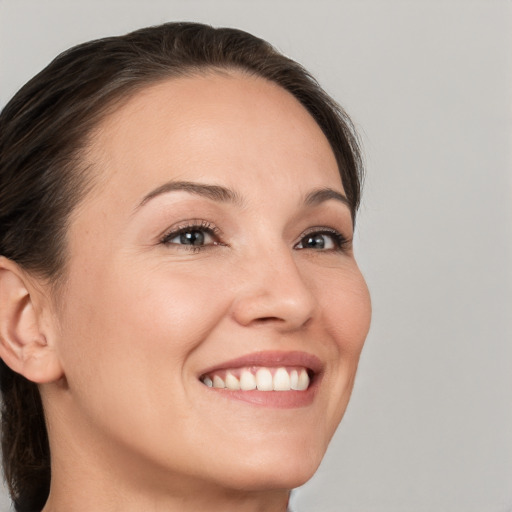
[
  {"x": 278, "y": 321},
  {"x": 267, "y": 319}
]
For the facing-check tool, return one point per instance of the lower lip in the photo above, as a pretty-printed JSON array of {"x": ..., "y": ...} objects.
[{"x": 274, "y": 399}]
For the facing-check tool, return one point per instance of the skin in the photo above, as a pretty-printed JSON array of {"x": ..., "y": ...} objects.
[{"x": 131, "y": 426}]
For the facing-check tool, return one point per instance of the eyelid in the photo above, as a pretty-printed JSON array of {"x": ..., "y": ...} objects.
[
  {"x": 194, "y": 224},
  {"x": 342, "y": 242}
]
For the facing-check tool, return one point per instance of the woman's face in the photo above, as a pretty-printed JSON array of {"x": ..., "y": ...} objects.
[{"x": 215, "y": 248}]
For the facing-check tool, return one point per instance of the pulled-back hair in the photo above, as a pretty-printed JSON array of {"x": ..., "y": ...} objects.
[{"x": 44, "y": 132}]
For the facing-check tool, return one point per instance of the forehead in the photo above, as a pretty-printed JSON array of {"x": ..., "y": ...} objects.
[{"x": 230, "y": 127}]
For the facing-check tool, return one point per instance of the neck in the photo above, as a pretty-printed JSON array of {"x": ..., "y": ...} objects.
[{"x": 66, "y": 500}]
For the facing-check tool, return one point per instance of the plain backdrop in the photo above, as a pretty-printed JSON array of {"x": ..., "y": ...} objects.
[{"x": 428, "y": 84}]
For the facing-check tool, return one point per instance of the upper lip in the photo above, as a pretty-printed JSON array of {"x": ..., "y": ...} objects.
[{"x": 272, "y": 358}]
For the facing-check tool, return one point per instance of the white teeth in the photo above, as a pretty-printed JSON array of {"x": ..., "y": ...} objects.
[
  {"x": 232, "y": 382},
  {"x": 281, "y": 380},
  {"x": 264, "y": 380},
  {"x": 303, "y": 380},
  {"x": 247, "y": 381},
  {"x": 218, "y": 382},
  {"x": 294, "y": 379}
]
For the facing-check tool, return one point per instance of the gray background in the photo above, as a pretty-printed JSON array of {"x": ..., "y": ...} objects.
[{"x": 429, "y": 84}]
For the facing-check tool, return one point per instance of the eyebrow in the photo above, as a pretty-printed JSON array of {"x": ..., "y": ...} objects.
[
  {"x": 321, "y": 195},
  {"x": 222, "y": 194},
  {"x": 216, "y": 193}
]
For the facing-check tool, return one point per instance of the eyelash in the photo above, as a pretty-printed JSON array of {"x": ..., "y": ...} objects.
[
  {"x": 341, "y": 243},
  {"x": 195, "y": 225}
]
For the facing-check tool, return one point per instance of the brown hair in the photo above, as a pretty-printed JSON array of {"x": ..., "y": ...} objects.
[{"x": 44, "y": 131}]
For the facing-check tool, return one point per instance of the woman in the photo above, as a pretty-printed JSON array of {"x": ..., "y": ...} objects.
[{"x": 181, "y": 314}]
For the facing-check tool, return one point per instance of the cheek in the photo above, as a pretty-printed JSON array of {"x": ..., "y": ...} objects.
[
  {"x": 346, "y": 310},
  {"x": 128, "y": 327},
  {"x": 175, "y": 309},
  {"x": 126, "y": 343},
  {"x": 346, "y": 306}
]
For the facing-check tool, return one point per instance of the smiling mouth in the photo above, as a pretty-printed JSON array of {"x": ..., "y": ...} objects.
[
  {"x": 260, "y": 378},
  {"x": 273, "y": 379}
]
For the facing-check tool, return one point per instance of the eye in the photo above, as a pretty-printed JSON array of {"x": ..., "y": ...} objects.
[
  {"x": 325, "y": 239},
  {"x": 193, "y": 236}
]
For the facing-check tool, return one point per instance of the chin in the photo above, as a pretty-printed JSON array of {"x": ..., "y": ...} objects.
[
  {"x": 276, "y": 469},
  {"x": 272, "y": 479}
]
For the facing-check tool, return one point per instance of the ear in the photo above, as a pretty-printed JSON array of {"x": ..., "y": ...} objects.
[{"x": 24, "y": 345}]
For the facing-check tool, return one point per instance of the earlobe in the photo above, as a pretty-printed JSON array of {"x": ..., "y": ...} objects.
[{"x": 24, "y": 347}]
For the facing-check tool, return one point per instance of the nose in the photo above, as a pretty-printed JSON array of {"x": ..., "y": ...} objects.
[{"x": 272, "y": 289}]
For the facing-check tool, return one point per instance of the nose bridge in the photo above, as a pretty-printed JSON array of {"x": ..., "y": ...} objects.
[{"x": 274, "y": 289}]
